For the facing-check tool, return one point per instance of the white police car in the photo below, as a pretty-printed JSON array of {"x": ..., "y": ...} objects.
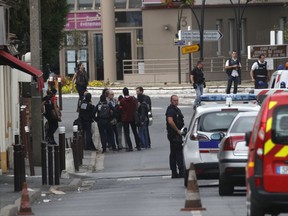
[{"x": 198, "y": 148}]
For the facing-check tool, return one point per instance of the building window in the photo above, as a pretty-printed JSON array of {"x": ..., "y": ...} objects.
[
  {"x": 231, "y": 24},
  {"x": 135, "y": 4},
  {"x": 85, "y": 4},
  {"x": 128, "y": 19},
  {"x": 73, "y": 57},
  {"x": 219, "y": 27},
  {"x": 71, "y": 4},
  {"x": 282, "y": 23},
  {"x": 243, "y": 36},
  {"x": 97, "y": 5},
  {"x": 121, "y": 4}
]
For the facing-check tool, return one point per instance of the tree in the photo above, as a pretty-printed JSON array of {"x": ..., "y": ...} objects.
[{"x": 53, "y": 18}]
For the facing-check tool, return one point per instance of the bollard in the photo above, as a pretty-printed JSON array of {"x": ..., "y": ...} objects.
[
  {"x": 80, "y": 147},
  {"x": 19, "y": 163},
  {"x": 60, "y": 92},
  {"x": 29, "y": 150},
  {"x": 74, "y": 146},
  {"x": 62, "y": 148},
  {"x": 44, "y": 162},
  {"x": 56, "y": 165},
  {"x": 50, "y": 164}
]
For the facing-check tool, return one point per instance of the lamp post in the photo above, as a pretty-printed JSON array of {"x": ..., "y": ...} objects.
[
  {"x": 239, "y": 12},
  {"x": 180, "y": 10}
]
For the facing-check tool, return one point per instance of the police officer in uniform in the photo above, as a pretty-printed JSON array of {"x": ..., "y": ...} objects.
[
  {"x": 174, "y": 124},
  {"x": 259, "y": 73},
  {"x": 86, "y": 113}
]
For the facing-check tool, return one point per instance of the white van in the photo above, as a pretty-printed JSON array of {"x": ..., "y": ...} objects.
[{"x": 277, "y": 78}]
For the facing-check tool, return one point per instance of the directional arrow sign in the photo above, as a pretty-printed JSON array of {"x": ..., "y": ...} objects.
[
  {"x": 208, "y": 35},
  {"x": 190, "y": 49}
]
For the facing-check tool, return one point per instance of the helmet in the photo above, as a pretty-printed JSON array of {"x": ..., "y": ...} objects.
[
  {"x": 282, "y": 84},
  {"x": 280, "y": 67}
]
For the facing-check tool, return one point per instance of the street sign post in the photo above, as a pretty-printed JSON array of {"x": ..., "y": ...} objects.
[
  {"x": 270, "y": 51},
  {"x": 190, "y": 49},
  {"x": 208, "y": 35}
]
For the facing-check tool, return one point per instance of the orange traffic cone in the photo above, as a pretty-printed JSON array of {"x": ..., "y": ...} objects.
[
  {"x": 25, "y": 208},
  {"x": 193, "y": 201}
]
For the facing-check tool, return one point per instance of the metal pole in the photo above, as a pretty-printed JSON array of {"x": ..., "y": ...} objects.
[
  {"x": 56, "y": 165},
  {"x": 44, "y": 162},
  {"x": 60, "y": 92},
  {"x": 202, "y": 30},
  {"x": 62, "y": 148},
  {"x": 74, "y": 146},
  {"x": 29, "y": 150},
  {"x": 50, "y": 164},
  {"x": 19, "y": 164},
  {"x": 179, "y": 48}
]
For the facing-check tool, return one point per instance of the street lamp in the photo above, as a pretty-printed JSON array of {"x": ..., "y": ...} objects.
[{"x": 238, "y": 17}]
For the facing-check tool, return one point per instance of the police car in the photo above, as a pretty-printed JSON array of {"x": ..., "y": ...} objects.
[
  {"x": 267, "y": 166},
  {"x": 208, "y": 120}
]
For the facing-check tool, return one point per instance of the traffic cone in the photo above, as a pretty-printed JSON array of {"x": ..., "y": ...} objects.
[
  {"x": 193, "y": 201},
  {"x": 25, "y": 208}
]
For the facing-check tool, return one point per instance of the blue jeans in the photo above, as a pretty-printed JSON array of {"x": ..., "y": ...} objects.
[
  {"x": 143, "y": 135},
  {"x": 199, "y": 92},
  {"x": 231, "y": 80}
]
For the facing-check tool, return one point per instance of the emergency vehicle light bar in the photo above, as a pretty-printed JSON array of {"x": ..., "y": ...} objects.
[{"x": 222, "y": 97}]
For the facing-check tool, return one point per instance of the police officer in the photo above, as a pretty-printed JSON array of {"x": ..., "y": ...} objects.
[
  {"x": 259, "y": 73},
  {"x": 86, "y": 113},
  {"x": 174, "y": 124}
]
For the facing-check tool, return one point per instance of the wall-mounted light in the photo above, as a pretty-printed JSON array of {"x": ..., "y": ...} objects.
[{"x": 166, "y": 27}]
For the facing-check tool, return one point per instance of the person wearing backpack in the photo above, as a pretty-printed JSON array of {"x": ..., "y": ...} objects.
[
  {"x": 86, "y": 112},
  {"x": 103, "y": 116},
  {"x": 129, "y": 106},
  {"x": 80, "y": 78},
  {"x": 143, "y": 120},
  {"x": 232, "y": 68}
]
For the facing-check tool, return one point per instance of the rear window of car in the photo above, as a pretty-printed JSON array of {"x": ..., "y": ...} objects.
[
  {"x": 243, "y": 124},
  {"x": 280, "y": 125},
  {"x": 216, "y": 121}
]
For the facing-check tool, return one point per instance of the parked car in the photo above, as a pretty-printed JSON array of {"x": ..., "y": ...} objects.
[
  {"x": 267, "y": 166},
  {"x": 198, "y": 148},
  {"x": 233, "y": 153}
]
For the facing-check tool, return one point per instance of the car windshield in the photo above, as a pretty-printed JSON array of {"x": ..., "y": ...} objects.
[
  {"x": 243, "y": 124},
  {"x": 280, "y": 125},
  {"x": 216, "y": 121}
]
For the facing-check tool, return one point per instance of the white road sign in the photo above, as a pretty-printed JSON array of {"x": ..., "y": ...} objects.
[{"x": 208, "y": 35}]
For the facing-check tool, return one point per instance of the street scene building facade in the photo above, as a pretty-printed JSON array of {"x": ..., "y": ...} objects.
[{"x": 145, "y": 34}]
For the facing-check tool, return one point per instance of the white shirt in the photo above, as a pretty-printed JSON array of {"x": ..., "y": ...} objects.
[{"x": 234, "y": 71}]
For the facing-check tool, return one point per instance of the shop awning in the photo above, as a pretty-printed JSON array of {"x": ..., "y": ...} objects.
[{"x": 8, "y": 59}]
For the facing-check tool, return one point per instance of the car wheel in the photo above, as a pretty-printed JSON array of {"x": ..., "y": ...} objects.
[
  {"x": 252, "y": 208},
  {"x": 186, "y": 174},
  {"x": 225, "y": 187}
]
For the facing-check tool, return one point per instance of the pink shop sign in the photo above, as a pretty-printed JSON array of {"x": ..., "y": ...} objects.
[{"x": 84, "y": 20}]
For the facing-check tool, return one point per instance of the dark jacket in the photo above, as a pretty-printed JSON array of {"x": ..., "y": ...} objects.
[{"x": 129, "y": 105}]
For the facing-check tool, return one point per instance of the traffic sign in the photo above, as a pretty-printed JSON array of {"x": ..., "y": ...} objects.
[
  {"x": 208, "y": 35},
  {"x": 190, "y": 49},
  {"x": 179, "y": 42},
  {"x": 270, "y": 51}
]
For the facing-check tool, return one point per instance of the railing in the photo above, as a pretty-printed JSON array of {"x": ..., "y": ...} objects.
[{"x": 213, "y": 67}]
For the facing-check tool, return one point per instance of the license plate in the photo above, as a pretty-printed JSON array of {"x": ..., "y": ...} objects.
[{"x": 282, "y": 170}]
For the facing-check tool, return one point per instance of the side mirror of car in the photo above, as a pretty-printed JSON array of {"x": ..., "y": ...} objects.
[
  {"x": 217, "y": 136},
  {"x": 247, "y": 137}
]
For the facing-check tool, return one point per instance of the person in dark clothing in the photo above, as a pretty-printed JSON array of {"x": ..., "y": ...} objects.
[
  {"x": 232, "y": 68},
  {"x": 143, "y": 121},
  {"x": 49, "y": 103},
  {"x": 103, "y": 115},
  {"x": 81, "y": 80},
  {"x": 86, "y": 112},
  {"x": 147, "y": 99},
  {"x": 259, "y": 73},
  {"x": 174, "y": 124},
  {"x": 198, "y": 82},
  {"x": 129, "y": 106}
]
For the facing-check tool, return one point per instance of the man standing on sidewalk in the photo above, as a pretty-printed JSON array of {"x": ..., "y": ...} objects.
[
  {"x": 198, "y": 82},
  {"x": 174, "y": 124},
  {"x": 232, "y": 68},
  {"x": 147, "y": 99},
  {"x": 129, "y": 106}
]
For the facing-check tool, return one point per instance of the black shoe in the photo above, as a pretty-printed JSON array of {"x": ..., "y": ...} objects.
[
  {"x": 174, "y": 175},
  {"x": 138, "y": 149},
  {"x": 129, "y": 150},
  {"x": 103, "y": 151}
]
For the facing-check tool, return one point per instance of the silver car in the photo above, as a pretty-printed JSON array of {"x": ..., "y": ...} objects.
[
  {"x": 233, "y": 153},
  {"x": 207, "y": 120}
]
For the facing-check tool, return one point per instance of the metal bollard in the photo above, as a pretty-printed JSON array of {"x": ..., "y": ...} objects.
[
  {"x": 80, "y": 147},
  {"x": 56, "y": 165},
  {"x": 62, "y": 148},
  {"x": 29, "y": 150},
  {"x": 60, "y": 92},
  {"x": 50, "y": 164},
  {"x": 19, "y": 163},
  {"x": 74, "y": 146},
  {"x": 44, "y": 162}
]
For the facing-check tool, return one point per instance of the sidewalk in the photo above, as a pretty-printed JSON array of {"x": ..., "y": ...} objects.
[{"x": 10, "y": 200}]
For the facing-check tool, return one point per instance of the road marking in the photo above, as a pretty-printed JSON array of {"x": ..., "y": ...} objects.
[{"x": 128, "y": 179}]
